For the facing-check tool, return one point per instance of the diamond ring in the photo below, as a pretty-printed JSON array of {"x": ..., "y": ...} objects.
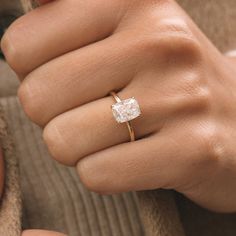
[{"x": 124, "y": 111}]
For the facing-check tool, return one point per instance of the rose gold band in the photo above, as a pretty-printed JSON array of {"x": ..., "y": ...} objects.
[{"x": 130, "y": 128}]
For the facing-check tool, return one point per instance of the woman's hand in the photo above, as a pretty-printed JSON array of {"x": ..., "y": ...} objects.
[{"x": 71, "y": 54}]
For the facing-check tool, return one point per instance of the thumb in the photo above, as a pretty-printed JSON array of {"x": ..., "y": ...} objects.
[{"x": 41, "y": 233}]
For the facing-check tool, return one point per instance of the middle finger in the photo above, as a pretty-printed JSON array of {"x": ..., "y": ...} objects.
[{"x": 90, "y": 74}]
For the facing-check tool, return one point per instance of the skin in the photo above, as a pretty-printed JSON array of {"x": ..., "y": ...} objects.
[
  {"x": 41, "y": 2},
  {"x": 69, "y": 61},
  {"x": 40, "y": 233}
]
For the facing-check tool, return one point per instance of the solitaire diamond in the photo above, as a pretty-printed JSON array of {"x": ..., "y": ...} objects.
[{"x": 126, "y": 110}]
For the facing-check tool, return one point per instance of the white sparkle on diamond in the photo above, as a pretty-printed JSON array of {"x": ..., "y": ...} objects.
[{"x": 126, "y": 110}]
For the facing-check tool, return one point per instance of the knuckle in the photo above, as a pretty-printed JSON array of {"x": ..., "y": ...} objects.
[
  {"x": 213, "y": 144},
  {"x": 174, "y": 43},
  {"x": 31, "y": 103},
  {"x": 50, "y": 137},
  {"x": 55, "y": 142},
  {"x": 192, "y": 96},
  {"x": 13, "y": 52},
  {"x": 179, "y": 48},
  {"x": 200, "y": 95},
  {"x": 92, "y": 181}
]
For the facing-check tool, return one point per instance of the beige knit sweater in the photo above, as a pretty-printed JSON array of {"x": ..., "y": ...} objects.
[{"x": 52, "y": 195}]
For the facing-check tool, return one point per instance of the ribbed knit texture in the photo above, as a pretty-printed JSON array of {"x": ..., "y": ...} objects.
[
  {"x": 216, "y": 18},
  {"x": 8, "y": 81},
  {"x": 10, "y": 204},
  {"x": 53, "y": 196}
]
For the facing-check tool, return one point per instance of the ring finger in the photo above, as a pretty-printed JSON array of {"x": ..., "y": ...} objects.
[{"x": 92, "y": 127}]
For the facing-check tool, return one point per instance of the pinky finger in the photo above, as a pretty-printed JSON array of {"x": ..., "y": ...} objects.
[{"x": 158, "y": 161}]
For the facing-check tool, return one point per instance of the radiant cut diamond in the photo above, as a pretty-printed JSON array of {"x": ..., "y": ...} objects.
[{"x": 126, "y": 110}]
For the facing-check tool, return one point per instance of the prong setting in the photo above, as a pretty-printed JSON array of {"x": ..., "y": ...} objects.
[{"x": 126, "y": 110}]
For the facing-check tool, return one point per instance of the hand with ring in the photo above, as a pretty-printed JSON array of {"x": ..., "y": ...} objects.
[{"x": 99, "y": 74}]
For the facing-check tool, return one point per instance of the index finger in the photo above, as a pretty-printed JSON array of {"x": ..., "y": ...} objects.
[{"x": 55, "y": 29}]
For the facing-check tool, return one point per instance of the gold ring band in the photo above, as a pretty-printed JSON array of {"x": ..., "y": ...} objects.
[{"x": 128, "y": 123}]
